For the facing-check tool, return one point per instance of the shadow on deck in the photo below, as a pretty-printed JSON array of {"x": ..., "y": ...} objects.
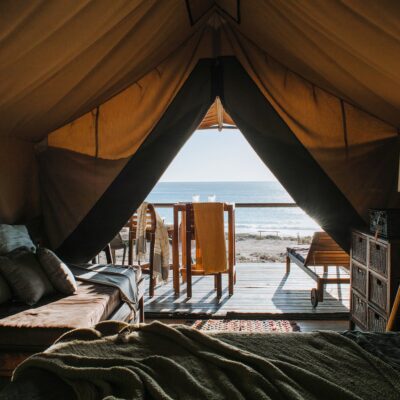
[{"x": 261, "y": 291}]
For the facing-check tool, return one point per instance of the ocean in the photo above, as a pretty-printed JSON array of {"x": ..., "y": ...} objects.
[{"x": 286, "y": 221}]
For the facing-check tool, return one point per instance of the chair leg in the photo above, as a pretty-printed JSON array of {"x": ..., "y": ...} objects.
[
  {"x": 320, "y": 290},
  {"x": 189, "y": 282},
  {"x": 219, "y": 285},
  {"x": 287, "y": 265},
  {"x": 234, "y": 278},
  {"x": 123, "y": 256},
  {"x": 231, "y": 282},
  {"x": 151, "y": 286},
  {"x": 215, "y": 282},
  {"x": 108, "y": 252},
  {"x": 141, "y": 310}
]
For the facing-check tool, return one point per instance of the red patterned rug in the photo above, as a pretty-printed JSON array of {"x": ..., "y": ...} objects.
[{"x": 244, "y": 325}]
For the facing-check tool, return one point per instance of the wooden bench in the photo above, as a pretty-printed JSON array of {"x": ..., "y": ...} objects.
[{"x": 316, "y": 259}]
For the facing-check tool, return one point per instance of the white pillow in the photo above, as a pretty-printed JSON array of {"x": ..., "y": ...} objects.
[{"x": 14, "y": 236}]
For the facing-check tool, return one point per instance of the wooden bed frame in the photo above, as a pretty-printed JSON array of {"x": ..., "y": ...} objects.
[{"x": 323, "y": 252}]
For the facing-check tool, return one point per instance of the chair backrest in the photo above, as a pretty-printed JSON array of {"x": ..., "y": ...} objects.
[
  {"x": 150, "y": 220},
  {"x": 150, "y": 230},
  {"x": 325, "y": 251},
  {"x": 188, "y": 227}
]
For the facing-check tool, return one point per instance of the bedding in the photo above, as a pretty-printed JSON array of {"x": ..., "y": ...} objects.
[
  {"x": 124, "y": 279},
  {"x": 176, "y": 362}
]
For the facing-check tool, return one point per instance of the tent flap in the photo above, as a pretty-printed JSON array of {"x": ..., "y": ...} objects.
[
  {"x": 143, "y": 169},
  {"x": 286, "y": 156}
]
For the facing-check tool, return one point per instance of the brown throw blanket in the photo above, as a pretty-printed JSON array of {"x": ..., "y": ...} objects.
[{"x": 157, "y": 361}]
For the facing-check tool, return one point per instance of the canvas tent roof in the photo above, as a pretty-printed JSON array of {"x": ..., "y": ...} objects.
[{"x": 97, "y": 97}]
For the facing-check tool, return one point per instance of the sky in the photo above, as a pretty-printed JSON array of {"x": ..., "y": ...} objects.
[{"x": 210, "y": 155}]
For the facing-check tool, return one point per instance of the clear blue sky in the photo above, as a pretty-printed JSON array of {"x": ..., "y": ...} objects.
[{"x": 210, "y": 155}]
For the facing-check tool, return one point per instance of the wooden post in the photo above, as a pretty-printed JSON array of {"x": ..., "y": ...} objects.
[
  {"x": 151, "y": 263},
  {"x": 393, "y": 314},
  {"x": 130, "y": 242},
  {"x": 188, "y": 244},
  {"x": 175, "y": 251},
  {"x": 231, "y": 244}
]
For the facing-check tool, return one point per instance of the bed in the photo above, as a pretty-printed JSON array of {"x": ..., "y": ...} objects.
[
  {"x": 25, "y": 330},
  {"x": 176, "y": 362}
]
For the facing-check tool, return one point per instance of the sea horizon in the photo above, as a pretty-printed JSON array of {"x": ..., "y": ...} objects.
[{"x": 285, "y": 221}]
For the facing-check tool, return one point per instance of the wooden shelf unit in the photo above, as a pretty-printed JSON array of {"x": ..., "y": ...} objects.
[{"x": 375, "y": 277}]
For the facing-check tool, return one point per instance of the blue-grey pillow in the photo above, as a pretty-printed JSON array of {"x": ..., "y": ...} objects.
[
  {"x": 58, "y": 273},
  {"x": 13, "y": 237},
  {"x": 25, "y": 276}
]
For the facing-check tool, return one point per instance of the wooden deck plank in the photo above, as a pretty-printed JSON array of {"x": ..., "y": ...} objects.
[{"x": 262, "y": 290}]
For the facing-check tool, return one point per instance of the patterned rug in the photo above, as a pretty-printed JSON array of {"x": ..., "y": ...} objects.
[{"x": 244, "y": 325}]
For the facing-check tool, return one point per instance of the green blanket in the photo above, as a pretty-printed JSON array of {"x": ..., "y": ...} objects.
[{"x": 158, "y": 361}]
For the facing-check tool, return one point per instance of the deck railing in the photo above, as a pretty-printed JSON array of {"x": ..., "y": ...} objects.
[
  {"x": 247, "y": 205},
  {"x": 240, "y": 205}
]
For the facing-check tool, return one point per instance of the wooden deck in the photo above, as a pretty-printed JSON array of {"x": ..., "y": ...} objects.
[{"x": 262, "y": 291}]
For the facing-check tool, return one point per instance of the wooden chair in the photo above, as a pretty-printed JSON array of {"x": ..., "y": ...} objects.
[
  {"x": 108, "y": 253},
  {"x": 147, "y": 267},
  {"x": 118, "y": 243},
  {"x": 188, "y": 268},
  {"x": 323, "y": 252}
]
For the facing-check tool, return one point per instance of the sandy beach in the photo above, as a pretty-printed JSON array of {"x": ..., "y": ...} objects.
[
  {"x": 253, "y": 248},
  {"x": 258, "y": 249}
]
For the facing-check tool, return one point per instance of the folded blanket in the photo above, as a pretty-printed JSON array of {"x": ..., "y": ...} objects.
[
  {"x": 210, "y": 237},
  {"x": 176, "y": 362},
  {"x": 124, "y": 279}
]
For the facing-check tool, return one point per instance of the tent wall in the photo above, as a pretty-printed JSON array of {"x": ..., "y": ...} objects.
[
  {"x": 19, "y": 186},
  {"x": 144, "y": 168}
]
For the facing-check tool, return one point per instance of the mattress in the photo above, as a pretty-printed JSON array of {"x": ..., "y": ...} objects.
[{"x": 24, "y": 328}]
